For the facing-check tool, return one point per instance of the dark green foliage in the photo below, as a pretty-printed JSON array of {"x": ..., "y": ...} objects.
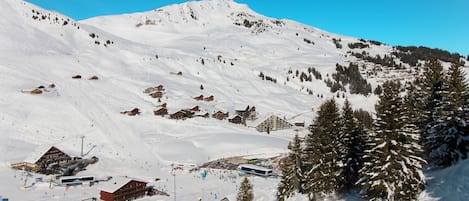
[
  {"x": 350, "y": 75},
  {"x": 448, "y": 138},
  {"x": 392, "y": 170},
  {"x": 431, "y": 94},
  {"x": 292, "y": 174},
  {"x": 384, "y": 61},
  {"x": 364, "y": 118},
  {"x": 378, "y": 90},
  {"x": 335, "y": 86},
  {"x": 337, "y": 43},
  {"x": 271, "y": 79},
  {"x": 322, "y": 162},
  {"x": 375, "y": 42},
  {"x": 352, "y": 141},
  {"x": 411, "y": 54},
  {"x": 261, "y": 75},
  {"x": 308, "y": 41},
  {"x": 358, "y": 45},
  {"x": 245, "y": 191},
  {"x": 415, "y": 104}
]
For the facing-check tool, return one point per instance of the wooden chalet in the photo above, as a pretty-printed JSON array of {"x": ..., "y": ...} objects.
[
  {"x": 247, "y": 114},
  {"x": 220, "y": 115},
  {"x": 236, "y": 120},
  {"x": 36, "y": 91},
  {"x": 273, "y": 123},
  {"x": 195, "y": 109},
  {"x": 178, "y": 115},
  {"x": 132, "y": 112},
  {"x": 157, "y": 94},
  {"x": 42, "y": 158},
  {"x": 149, "y": 90},
  {"x": 160, "y": 88},
  {"x": 199, "y": 98},
  {"x": 209, "y": 99},
  {"x": 161, "y": 112},
  {"x": 123, "y": 189},
  {"x": 182, "y": 114}
]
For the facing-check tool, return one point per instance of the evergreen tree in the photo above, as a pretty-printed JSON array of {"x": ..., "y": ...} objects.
[
  {"x": 245, "y": 191},
  {"x": 392, "y": 170},
  {"x": 322, "y": 162},
  {"x": 292, "y": 173},
  {"x": 431, "y": 95},
  {"x": 351, "y": 147},
  {"x": 448, "y": 140}
]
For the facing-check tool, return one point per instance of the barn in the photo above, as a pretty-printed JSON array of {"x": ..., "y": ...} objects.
[{"x": 122, "y": 189}]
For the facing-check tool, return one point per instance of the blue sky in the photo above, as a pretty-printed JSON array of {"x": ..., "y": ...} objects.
[{"x": 440, "y": 24}]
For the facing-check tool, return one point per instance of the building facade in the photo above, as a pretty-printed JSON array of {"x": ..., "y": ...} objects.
[
  {"x": 273, "y": 123},
  {"x": 122, "y": 189}
]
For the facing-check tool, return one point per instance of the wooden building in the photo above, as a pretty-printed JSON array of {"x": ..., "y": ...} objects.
[
  {"x": 42, "y": 158},
  {"x": 177, "y": 115},
  {"x": 209, "y": 99},
  {"x": 161, "y": 112},
  {"x": 157, "y": 94},
  {"x": 195, "y": 109},
  {"x": 236, "y": 120},
  {"x": 273, "y": 123},
  {"x": 123, "y": 189},
  {"x": 160, "y": 88},
  {"x": 247, "y": 114},
  {"x": 199, "y": 98},
  {"x": 132, "y": 112},
  {"x": 220, "y": 115}
]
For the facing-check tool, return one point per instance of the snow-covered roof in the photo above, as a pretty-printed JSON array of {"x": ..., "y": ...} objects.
[{"x": 116, "y": 183}]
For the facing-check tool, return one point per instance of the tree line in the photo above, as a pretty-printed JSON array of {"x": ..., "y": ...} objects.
[{"x": 417, "y": 124}]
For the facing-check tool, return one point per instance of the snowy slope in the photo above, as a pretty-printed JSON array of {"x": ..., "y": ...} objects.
[{"x": 41, "y": 47}]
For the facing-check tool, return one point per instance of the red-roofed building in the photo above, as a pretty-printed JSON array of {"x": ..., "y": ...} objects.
[{"x": 122, "y": 189}]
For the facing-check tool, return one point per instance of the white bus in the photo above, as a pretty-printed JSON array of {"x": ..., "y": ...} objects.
[{"x": 255, "y": 170}]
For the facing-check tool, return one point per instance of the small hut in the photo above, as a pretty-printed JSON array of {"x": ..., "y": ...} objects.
[{"x": 161, "y": 112}]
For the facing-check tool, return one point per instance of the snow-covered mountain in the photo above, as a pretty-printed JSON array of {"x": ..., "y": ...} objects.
[{"x": 217, "y": 45}]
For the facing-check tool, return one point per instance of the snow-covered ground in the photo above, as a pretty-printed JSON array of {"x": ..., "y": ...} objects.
[{"x": 198, "y": 39}]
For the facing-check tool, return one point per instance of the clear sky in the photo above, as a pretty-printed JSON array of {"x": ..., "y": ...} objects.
[{"x": 440, "y": 24}]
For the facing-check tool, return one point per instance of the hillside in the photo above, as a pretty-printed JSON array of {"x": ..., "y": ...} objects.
[{"x": 220, "y": 46}]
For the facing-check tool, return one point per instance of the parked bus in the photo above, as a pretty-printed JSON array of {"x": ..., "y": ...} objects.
[{"x": 255, "y": 170}]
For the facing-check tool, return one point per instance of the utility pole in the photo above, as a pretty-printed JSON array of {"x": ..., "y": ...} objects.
[
  {"x": 174, "y": 179},
  {"x": 82, "y": 137}
]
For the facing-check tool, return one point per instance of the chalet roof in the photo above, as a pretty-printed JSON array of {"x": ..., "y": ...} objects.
[
  {"x": 116, "y": 183},
  {"x": 41, "y": 150}
]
